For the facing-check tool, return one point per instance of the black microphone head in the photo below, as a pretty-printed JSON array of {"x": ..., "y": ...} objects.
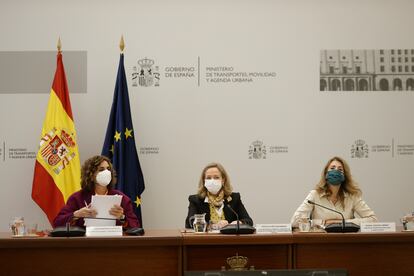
[
  {"x": 310, "y": 202},
  {"x": 135, "y": 231}
]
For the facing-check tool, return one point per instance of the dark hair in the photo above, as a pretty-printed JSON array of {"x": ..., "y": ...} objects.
[{"x": 89, "y": 170}]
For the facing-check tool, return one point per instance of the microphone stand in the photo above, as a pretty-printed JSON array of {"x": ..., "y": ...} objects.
[
  {"x": 243, "y": 229},
  {"x": 237, "y": 217},
  {"x": 343, "y": 218}
]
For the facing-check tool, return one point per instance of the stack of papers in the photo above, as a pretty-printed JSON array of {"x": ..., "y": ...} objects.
[{"x": 102, "y": 204}]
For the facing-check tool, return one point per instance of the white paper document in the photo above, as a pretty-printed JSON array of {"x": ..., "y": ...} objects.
[{"x": 102, "y": 204}]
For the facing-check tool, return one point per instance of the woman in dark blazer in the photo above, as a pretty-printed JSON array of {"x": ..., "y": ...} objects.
[{"x": 216, "y": 199}]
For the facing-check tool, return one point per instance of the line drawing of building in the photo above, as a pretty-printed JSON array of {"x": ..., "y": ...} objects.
[{"x": 367, "y": 70}]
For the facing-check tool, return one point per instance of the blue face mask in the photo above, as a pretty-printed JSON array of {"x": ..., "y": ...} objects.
[{"x": 335, "y": 177}]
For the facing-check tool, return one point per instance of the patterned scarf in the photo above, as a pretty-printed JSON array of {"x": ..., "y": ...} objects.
[{"x": 216, "y": 200}]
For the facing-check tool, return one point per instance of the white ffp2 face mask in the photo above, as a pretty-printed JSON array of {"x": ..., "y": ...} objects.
[
  {"x": 212, "y": 185},
  {"x": 103, "y": 178}
]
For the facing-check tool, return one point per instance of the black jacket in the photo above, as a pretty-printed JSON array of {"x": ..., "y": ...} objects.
[{"x": 198, "y": 206}]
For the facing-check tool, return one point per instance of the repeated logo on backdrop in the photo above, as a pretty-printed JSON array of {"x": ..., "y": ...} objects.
[
  {"x": 259, "y": 150},
  {"x": 147, "y": 74},
  {"x": 8, "y": 152},
  {"x": 360, "y": 149}
]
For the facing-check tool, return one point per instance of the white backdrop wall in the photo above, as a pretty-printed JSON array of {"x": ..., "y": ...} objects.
[{"x": 192, "y": 125}]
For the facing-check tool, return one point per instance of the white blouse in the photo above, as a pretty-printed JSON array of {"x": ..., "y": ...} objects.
[{"x": 353, "y": 205}]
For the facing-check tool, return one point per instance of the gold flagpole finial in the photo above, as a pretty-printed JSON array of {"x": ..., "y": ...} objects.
[
  {"x": 122, "y": 44},
  {"x": 59, "y": 45}
]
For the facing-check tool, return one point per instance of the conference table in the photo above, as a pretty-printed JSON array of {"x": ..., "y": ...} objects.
[
  {"x": 172, "y": 252},
  {"x": 358, "y": 253},
  {"x": 158, "y": 252}
]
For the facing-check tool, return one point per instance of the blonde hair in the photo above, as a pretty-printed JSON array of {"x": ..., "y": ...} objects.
[
  {"x": 348, "y": 186},
  {"x": 227, "y": 188}
]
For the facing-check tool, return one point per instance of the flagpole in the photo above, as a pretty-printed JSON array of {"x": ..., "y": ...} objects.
[
  {"x": 122, "y": 44},
  {"x": 59, "y": 45}
]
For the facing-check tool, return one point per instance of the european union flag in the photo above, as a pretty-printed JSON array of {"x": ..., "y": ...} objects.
[{"x": 119, "y": 143}]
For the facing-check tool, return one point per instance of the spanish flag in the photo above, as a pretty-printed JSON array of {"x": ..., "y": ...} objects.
[{"x": 57, "y": 167}]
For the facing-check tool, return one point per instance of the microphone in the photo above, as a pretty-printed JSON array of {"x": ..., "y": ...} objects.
[
  {"x": 343, "y": 218},
  {"x": 236, "y": 229},
  {"x": 135, "y": 231},
  {"x": 237, "y": 217},
  {"x": 338, "y": 227}
]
